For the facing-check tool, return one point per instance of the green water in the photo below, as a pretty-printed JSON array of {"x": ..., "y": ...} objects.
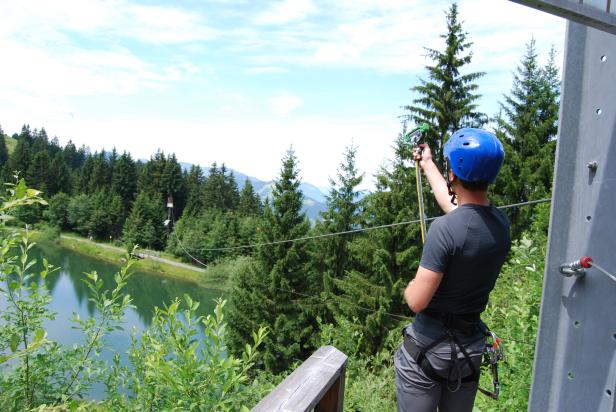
[{"x": 70, "y": 295}]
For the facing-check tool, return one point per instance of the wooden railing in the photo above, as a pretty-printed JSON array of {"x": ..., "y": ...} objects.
[{"x": 317, "y": 384}]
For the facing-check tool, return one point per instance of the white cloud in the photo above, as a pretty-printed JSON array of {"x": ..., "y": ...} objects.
[
  {"x": 390, "y": 36},
  {"x": 286, "y": 11},
  {"x": 110, "y": 19},
  {"x": 283, "y": 104},
  {"x": 266, "y": 70}
]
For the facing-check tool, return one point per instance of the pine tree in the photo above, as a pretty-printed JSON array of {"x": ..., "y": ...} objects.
[
  {"x": 194, "y": 189},
  {"x": 214, "y": 188},
  {"x": 448, "y": 100},
  {"x": 19, "y": 160},
  {"x": 100, "y": 176},
  {"x": 527, "y": 126},
  {"x": 151, "y": 178},
  {"x": 144, "y": 225},
  {"x": 385, "y": 260},
  {"x": 59, "y": 175},
  {"x": 343, "y": 214},
  {"x": 4, "y": 152},
  {"x": 173, "y": 184},
  {"x": 249, "y": 202},
  {"x": 57, "y": 212},
  {"x": 38, "y": 172},
  {"x": 84, "y": 175},
  {"x": 281, "y": 270},
  {"x": 124, "y": 180},
  {"x": 231, "y": 194}
]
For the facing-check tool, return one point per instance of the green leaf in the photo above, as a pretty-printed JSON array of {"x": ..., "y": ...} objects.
[
  {"x": 14, "y": 342},
  {"x": 20, "y": 189}
]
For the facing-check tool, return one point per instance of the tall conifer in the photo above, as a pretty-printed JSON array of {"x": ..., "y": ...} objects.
[
  {"x": 448, "y": 99},
  {"x": 344, "y": 213},
  {"x": 271, "y": 293},
  {"x": 527, "y": 126}
]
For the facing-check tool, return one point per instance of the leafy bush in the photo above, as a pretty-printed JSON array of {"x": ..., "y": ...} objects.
[{"x": 170, "y": 368}]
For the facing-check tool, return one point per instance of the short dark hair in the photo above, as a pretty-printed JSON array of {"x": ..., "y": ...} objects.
[{"x": 474, "y": 186}]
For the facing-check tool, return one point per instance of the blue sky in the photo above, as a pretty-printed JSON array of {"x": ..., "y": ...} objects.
[{"x": 241, "y": 81}]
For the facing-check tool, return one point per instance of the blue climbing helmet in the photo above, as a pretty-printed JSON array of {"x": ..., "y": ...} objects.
[{"x": 474, "y": 155}]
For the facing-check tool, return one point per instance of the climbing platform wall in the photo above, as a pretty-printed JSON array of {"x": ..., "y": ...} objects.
[{"x": 575, "y": 362}]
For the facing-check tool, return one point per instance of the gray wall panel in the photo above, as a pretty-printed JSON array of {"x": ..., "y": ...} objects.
[{"x": 575, "y": 361}]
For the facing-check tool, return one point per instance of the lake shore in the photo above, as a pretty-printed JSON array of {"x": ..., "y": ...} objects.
[{"x": 157, "y": 266}]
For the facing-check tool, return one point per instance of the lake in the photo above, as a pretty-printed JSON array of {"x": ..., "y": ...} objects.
[{"x": 70, "y": 295}]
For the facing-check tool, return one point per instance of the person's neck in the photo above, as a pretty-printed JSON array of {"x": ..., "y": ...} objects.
[{"x": 467, "y": 197}]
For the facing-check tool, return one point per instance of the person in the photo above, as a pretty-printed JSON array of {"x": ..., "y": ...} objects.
[{"x": 437, "y": 366}]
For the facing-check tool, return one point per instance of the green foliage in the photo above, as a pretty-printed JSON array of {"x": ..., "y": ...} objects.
[
  {"x": 249, "y": 201},
  {"x": 78, "y": 214},
  {"x": 448, "y": 100},
  {"x": 106, "y": 216},
  {"x": 527, "y": 127},
  {"x": 4, "y": 152},
  {"x": 144, "y": 225},
  {"x": 212, "y": 229},
  {"x": 124, "y": 180},
  {"x": 201, "y": 375},
  {"x": 267, "y": 294},
  {"x": 57, "y": 213},
  {"x": 170, "y": 367},
  {"x": 344, "y": 213},
  {"x": 194, "y": 187},
  {"x": 220, "y": 189},
  {"x": 386, "y": 259},
  {"x": 513, "y": 312},
  {"x": 369, "y": 377}
]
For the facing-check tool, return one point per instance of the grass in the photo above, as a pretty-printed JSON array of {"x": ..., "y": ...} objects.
[{"x": 213, "y": 277}]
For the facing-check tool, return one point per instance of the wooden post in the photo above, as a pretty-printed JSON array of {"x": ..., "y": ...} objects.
[{"x": 317, "y": 384}]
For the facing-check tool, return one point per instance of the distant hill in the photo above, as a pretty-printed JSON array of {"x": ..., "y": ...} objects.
[{"x": 314, "y": 197}]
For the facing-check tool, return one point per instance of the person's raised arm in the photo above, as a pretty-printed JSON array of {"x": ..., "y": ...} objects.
[{"x": 435, "y": 178}]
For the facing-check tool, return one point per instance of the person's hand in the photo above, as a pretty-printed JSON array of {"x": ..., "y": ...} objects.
[{"x": 422, "y": 153}]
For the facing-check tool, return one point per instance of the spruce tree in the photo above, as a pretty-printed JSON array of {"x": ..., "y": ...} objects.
[
  {"x": 249, "y": 202},
  {"x": 20, "y": 159},
  {"x": 272, "y": 292},
  {"x": 527, "y": 126},
  {"x": 59, "y": 175},
  {"x": 4, "y": 152},
  {"x": 144, "y": 225},
  {"x": 344, "y": 213},
  {"x": 100, "y": 177},
  {"x": 385, "y": 260},
  {"x": 38, "y": 172},
  {"x": 448, "y": 99},
  {"x": 194, "y": 189},
  {"x": 215, "y": 191},
  {"x": 124, "y": 180}
]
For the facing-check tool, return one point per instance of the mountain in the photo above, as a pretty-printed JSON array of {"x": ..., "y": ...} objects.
[{"x": 314, "y": 197}]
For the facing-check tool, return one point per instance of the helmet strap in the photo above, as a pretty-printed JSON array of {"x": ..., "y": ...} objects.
[{"x": 450, "y": 190}]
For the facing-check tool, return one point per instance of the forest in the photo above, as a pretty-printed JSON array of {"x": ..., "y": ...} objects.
[{"x": 285, "y": 298}]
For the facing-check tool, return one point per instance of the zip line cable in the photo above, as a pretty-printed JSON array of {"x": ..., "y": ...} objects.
[
  {"x": 346, "y": 232},
  {"x": 323, "y": 299}
]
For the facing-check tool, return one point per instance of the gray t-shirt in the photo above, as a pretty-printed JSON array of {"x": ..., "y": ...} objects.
[{"x": 469, "y": 246}]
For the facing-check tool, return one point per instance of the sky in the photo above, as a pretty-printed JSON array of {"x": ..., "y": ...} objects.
[{"x": 242, "y": 81}]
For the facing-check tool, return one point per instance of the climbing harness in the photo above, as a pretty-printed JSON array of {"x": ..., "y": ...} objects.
[
  {"x": 413, "y": 138},
  {"x": 454, "y": 325}
]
